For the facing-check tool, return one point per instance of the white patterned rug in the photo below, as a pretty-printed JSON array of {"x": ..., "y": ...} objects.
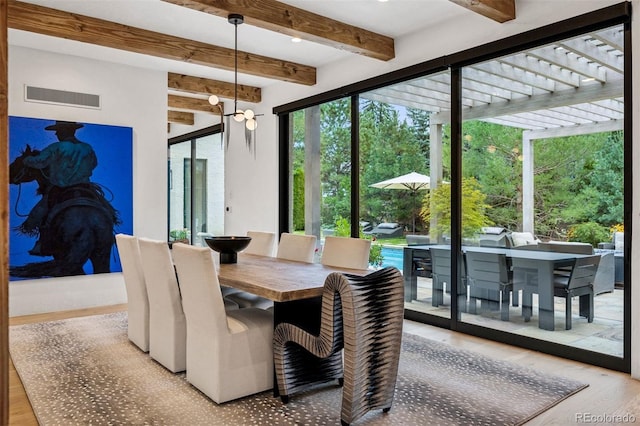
[{"x": 84, "y": 371}]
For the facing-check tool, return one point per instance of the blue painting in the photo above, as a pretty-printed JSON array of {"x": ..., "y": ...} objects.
[{"x": 70, "y": 193}]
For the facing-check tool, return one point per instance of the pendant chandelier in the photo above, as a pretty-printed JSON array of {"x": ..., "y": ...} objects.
[{"x": 248, "y": 117}]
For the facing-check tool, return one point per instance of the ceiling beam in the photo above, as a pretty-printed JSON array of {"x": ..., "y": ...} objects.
[
  {"x": 187, "y": 83},
  {"x": 194, "y": 104},
  {"x": 498, "y": 10},
  {"x": 57, "y": 23},
  {"x": 180, "y": 117},
  {"x": 294, "y": 22}
]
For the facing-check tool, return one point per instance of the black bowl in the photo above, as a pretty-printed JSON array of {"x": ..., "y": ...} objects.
[{"x": 228, "y": 247}]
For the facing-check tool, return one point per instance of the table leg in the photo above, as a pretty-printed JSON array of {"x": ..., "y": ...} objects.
[
  {"x": 410, "y": 278},
  {"x": 546, "y": 312}
]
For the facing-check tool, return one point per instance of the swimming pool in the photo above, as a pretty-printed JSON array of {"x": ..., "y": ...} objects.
[{"x": 392, "y": 256}]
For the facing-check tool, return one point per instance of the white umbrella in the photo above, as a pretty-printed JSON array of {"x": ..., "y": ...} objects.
[{"x": 412, "y": 181}]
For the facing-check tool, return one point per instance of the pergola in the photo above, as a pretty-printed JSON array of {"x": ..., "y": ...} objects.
[{"x": 572, "y": 87}]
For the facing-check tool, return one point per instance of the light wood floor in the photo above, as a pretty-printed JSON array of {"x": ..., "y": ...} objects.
[{"x": 610, "y": 393}]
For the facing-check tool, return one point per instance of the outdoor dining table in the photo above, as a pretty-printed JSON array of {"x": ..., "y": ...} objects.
[{"x": 542, "y": 262}]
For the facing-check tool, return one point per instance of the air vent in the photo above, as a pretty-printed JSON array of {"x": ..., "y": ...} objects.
[{"x": 61, "y": 97}]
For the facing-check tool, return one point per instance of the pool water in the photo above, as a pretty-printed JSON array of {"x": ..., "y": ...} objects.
[{"x": 392, "y": 256}]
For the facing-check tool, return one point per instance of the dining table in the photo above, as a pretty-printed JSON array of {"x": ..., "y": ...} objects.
[
  {"x": 294, "y": 287},
  {"x": 533, "y": 268}
]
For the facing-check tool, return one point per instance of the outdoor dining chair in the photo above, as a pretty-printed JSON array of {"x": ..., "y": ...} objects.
[
  {"x": 578, "y": 283},
  {"x": 489, "y": 279}
]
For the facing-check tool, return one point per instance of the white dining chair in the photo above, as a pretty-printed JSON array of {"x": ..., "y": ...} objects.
[
  {"x": 300, "y": 248},
  {"x": 229, "y": 353},
  {"x": 262, "y": 243},
  {"x": 343, "y": 252},
  {"x": 137, "y": 299},
  {"x": 167, "y": 323}
]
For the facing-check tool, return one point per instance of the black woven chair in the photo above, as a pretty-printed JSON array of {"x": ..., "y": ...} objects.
[{"x": 363, "y": 315}]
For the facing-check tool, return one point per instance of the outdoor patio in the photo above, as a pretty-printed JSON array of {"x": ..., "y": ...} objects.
[{"x": 604, "y": 334}]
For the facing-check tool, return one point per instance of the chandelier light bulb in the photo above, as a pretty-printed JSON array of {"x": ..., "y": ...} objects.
[
  {"x": 238, "y": 115},
  {"x": 251, "y": 124},
  {"x": 249, "y": 114},
  {"x": 213, "y": 100}
]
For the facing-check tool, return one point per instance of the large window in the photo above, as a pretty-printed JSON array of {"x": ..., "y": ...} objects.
[
  {"x": 196, "y": 187},
  {"x": 523, "y": 213}
]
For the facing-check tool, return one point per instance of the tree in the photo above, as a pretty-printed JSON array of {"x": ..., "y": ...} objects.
[{"x": 437, "y": 202}]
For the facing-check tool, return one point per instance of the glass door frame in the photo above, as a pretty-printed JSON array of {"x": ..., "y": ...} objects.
[
  {"x": 192, "y": 138},
  {"x": 603, "y": 18}
]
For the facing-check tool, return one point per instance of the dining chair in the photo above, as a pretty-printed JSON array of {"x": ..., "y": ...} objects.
[
  {"x": 137, "y": 299},
  {"x": 262, "y": 243},
  {"x": 343, "y": 252},
  {"x": 578, "y": 283},
  {"x": 441, "y": 277},
  {"x": 490, "y": 280},
  {"x": 297, "y": 247},
  {"x": 229, "y": 353},
  {"x": 361, "y": 316},
  {"x": 167, "y": 324}
]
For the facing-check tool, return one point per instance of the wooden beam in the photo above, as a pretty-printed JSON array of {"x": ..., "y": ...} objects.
[
  {"x": 294, "y": 22},
  {"x": 194, "y": 104},
  {"x": 207, "y": 86},
  {"x": 180, "y": 117},
  {"x": 56, "y": 23},
  {"x": 498, "y": 10},
  {"x": 4, "y": 219}
]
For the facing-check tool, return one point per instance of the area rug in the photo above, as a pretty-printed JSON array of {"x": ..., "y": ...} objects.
[{"x": 84, "y": 371}]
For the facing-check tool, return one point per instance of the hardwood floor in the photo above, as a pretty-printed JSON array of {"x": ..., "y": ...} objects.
[{"x": 610, "y": 393}]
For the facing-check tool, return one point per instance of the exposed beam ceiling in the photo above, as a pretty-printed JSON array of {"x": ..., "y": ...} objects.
[
  {"x": 56, "y": 23},
  {"x": 194, "y": 104},
  {"x": 498, "y": 10},
  {"x": 186, "y": 83},
  {"x": 295, "y": 22},
  {"x": 180, "y": 117}
]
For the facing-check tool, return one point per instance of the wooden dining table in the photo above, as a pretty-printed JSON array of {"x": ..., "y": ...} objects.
[{"x": 295, "y": 287}]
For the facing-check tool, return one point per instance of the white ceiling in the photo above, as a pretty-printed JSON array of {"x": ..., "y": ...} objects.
[{"x": 395, "y": 18}]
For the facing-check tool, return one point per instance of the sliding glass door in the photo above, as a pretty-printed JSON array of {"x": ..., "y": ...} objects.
[
  {"x": 543, "y": 191},
  {"x": 498, "y": 184}
]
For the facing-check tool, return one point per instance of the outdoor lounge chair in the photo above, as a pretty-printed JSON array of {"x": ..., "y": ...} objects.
[{"x": 387, "y": 230}]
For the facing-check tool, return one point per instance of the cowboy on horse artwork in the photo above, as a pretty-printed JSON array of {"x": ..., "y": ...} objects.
[{"x": 73, "y": 220}]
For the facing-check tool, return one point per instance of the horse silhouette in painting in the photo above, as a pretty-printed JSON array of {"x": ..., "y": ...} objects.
[{"x": 79, "y": 225}]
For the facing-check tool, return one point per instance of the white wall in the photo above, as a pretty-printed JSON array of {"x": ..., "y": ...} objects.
[{"x": 130, "y": 97}]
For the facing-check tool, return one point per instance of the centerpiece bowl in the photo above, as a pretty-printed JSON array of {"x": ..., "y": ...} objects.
[{"x": 228, "y": 247}]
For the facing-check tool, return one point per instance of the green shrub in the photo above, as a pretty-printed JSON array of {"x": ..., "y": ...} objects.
[
  {"x": 588, "y": 232},
  {"x": 298, "y": 200}
]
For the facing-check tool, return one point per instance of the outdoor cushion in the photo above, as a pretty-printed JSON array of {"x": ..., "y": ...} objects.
[{"x": 388, "y": 225}]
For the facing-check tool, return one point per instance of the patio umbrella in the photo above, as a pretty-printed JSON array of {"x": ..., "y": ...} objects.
[{"x": 413, "y": 182}]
